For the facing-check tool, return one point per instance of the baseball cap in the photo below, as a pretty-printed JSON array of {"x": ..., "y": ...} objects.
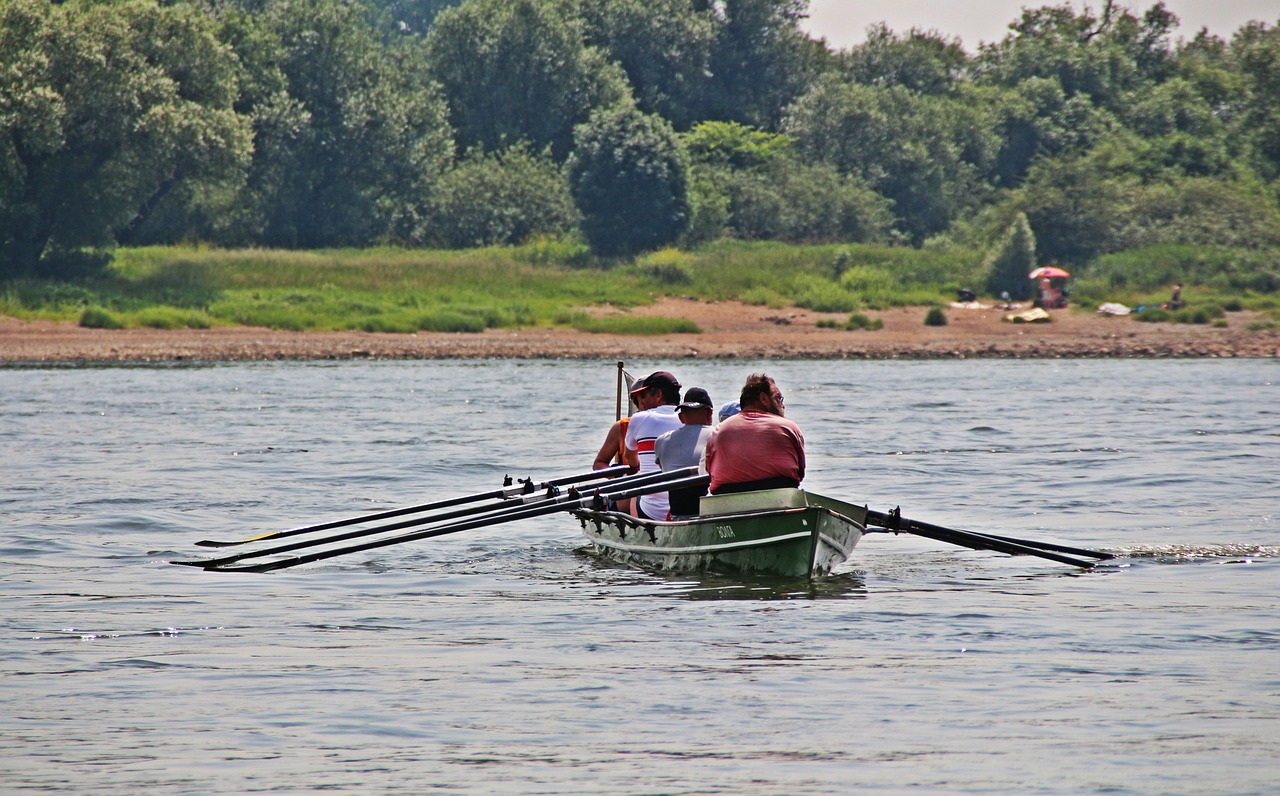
[{"x": 696, "y": 398}]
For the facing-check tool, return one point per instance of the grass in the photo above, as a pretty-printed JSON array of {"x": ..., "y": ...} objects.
[{"x": 552, "y": 282}]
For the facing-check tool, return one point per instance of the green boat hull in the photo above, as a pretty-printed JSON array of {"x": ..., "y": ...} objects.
[{"x": 777, "y": 532}]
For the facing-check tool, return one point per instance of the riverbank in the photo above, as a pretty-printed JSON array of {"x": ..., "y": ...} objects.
[{"x": 729, "y": 330}]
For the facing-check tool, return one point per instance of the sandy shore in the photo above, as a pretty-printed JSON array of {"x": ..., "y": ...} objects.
[{"x": 730, "y": 330}]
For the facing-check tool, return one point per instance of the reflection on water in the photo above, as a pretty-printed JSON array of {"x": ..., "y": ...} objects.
[{"x": 839, "y": 585}]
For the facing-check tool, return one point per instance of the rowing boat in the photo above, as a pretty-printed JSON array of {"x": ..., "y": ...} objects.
[{"x": 774, "y": 532}]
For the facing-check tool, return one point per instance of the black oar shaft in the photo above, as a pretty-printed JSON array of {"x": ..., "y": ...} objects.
[
  {"x": 524, "y": 487},
  {"x": 1060, "y": 548},
  {"x": 485, "y": 511},
  {"x": 639, "y": 485},
  {"x": 976, "y": 541}
]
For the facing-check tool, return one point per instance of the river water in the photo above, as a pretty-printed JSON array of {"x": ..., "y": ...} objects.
[{"x": 509, "y": 660}]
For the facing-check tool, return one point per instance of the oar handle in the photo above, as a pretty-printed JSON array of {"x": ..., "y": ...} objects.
[{"x": 685, "y": 482}]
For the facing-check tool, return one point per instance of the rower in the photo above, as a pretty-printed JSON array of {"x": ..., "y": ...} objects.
[
  {"x": 683, "y": 447},
  {"x": 758, "y": 448}
]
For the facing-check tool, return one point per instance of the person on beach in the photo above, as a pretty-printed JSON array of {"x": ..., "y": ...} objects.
[
  {"x": 683, "y": 447},
  {"x": 1175, "y": 303},
  {"x": 758, "y": 448},
  {"x": 656, "y": 395}
]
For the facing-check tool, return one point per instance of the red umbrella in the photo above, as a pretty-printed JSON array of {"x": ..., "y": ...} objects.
[{"x": 1048, "y": 272}]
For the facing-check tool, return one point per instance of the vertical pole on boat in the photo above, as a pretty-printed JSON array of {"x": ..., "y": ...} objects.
[{"x": 617, "y": 412}]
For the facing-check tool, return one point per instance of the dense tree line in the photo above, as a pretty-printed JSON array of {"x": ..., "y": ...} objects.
[{"x": 638, "y": 123}]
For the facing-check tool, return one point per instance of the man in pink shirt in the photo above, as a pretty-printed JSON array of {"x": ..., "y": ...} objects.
[{"x": 758, "y": 448}]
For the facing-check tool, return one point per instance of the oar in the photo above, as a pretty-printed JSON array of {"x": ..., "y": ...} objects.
[
  {"x": 1079, "y": 551},
  {"x": 976, "y": 541},
  {"x": 640, "y": 485},
  {"x": 377, "y": 529},
  {"x": 524, "y": 487},
  {"x": 1012, "y": 540}
]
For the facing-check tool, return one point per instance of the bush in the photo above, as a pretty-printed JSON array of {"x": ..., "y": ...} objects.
[
  {"x": 859, "y": 321},
  {"x": 500, "y": 199},
  {"x": 1153, "y": 315},
  {"x": 172, "y": 318},
  {"x": 630, "y": 182},
  {"x": 99, "y": 318},
  {"x": 626, "y": 324},
  {"x": 667, "y": 267},
  {"x": 569, "y": 251},
  {"x": 1015, "y": 256},
  {"x": 935, "y": 317},
  {"x": 798, "y": 203}
]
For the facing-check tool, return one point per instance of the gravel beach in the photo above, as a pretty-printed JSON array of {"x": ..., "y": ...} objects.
[{"x": 729, "y": 330}]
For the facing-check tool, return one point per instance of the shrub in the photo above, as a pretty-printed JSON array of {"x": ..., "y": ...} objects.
[
  {"x": 565, "y": 250},
  {"x": 1007, "y": 267},
  {"x": 99, "y": 318},
  {"x": 172, "y": 318},
  {"x": 499, "y": 199},
  {"x": 1153, "y": 315},
  {"x": 668, "y": 267},
  {"x": 626, "y": 324},
  {"x": 763, "y": 297},
  {"x": 858, "y": 320},
  {"x": 630, "y": 181},
  {"x": 822, "y": 295},
  {"x": 935, "y": 317}
]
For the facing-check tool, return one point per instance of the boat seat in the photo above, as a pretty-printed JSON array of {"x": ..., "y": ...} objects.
[{"x": 736, "y": 502}]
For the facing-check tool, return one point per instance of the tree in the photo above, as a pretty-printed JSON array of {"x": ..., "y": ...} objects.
[
  {"x": 1013, "y": 258},
  {"x": 664, "y": 46},
  {"x": 753, "y": 185},
  {"x": 761, "y": 60},
  {"x": 629, "y": 179},
  {"x": 357, "y": 165},
  {"x": 1076, "y": 205},
  {"x": 516, "y": 71},
  {"x": 105, "y": 109},
  {"x": 926, "y": 154},
  {"x": 1256, "y": 48},
  {"x": 409, "y": 17},
  {"x": 1109, "y": 59},
  {"x": 923, "y": 61},
  {"x": 499, "y": 198},
  {"x": 1037, "y": 119}
]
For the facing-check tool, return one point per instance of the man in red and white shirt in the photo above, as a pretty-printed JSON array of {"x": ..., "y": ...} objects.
[{"x": 656, "y": 395}]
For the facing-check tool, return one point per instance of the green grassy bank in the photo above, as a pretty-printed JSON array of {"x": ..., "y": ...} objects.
[{"x": 552, "y": 282}]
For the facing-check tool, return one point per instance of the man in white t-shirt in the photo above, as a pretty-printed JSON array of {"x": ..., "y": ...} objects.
[{"x": 656, "y": 395}]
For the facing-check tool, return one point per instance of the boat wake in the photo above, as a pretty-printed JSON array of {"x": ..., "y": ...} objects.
[{"x": 1187, "y": 554}]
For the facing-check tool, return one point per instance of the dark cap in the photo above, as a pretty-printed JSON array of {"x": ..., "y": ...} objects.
[
  {"x": 658, "y": 380},
  {"x": 695, "y": 398}
]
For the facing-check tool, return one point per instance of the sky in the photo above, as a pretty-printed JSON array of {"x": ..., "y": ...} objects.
[{"x": 843, "y": 22}]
